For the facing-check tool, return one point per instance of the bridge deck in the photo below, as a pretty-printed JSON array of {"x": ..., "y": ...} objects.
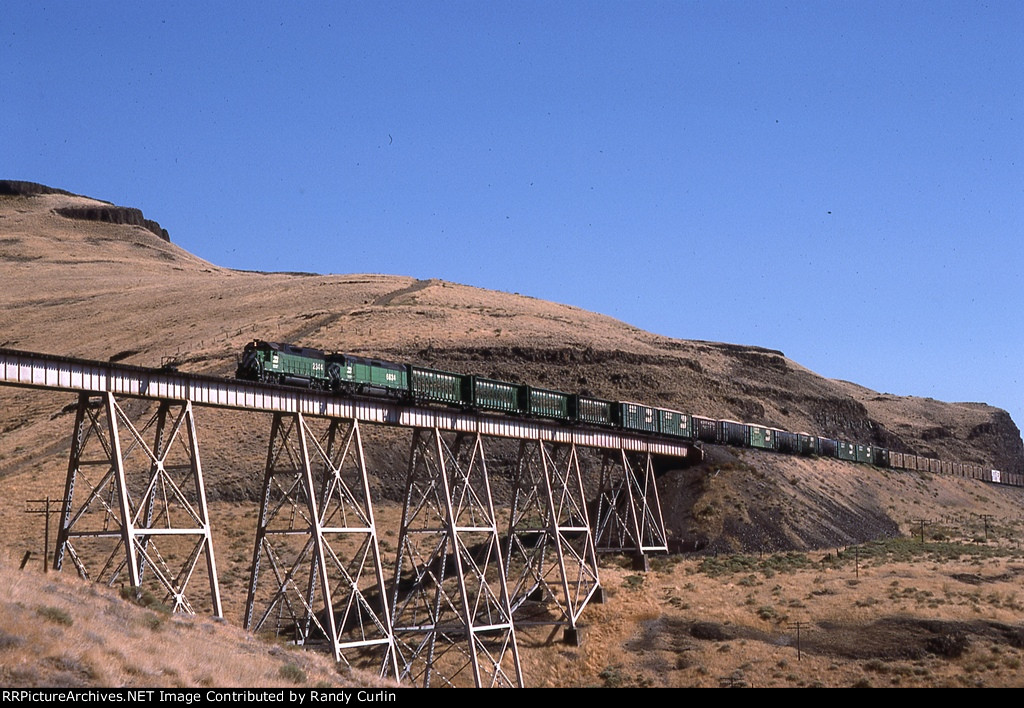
[{"x": 50, "y": 372}]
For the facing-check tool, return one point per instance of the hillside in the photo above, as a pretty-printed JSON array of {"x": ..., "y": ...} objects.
[
  {"x": 103, "y": 290},
  {"x": 99, "y": 290},
  {"x": 87, "y": 279},
  {"x": 60, "y": 631}
]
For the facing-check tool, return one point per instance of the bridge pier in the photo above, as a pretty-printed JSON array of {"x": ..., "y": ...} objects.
[
  {"x": 629, "y": 516},
  {"x": 316, "y": 538},
  {"x": 138, "y": 508},
  {"x": 551, "y": 555},
  {"x": 135, "y": 500},
  {"x": 450, "y": 602}
]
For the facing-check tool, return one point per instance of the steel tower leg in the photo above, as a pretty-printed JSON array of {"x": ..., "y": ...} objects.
[
  {"x": 629, "y": 516},
  {"x": 138, "y": 506},
  {"x": 551, "y": 552},
  {"x": 316, "y": 535},
  {"x": 450, "y": 602}
]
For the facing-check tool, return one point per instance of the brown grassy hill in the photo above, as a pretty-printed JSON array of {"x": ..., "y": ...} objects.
[
  {"x": 121, "y": 291},
  {"x": 103, "y": 290},
  {"x": 59, "y": 631}
]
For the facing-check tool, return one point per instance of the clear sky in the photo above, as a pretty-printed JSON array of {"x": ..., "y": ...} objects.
[{"x": 839, "y": 180}]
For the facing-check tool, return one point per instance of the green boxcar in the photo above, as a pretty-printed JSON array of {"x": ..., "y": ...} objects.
[
  {"x": 591, "y": 410},
  {"x": 633, "y": 416},
  {"x": 864, "y": 453},
  {"x": 847, "y": 451},
  {"x": 764, "y": 438},
  {"x": 880, "y": 456},
  {"x": 674, "y": 423},
  {"x": 806, "y": 444},
  {"x": 544, "y": 403},
  {"x": 346, "y": 370},
  {"x": 435, "y": 386},
  {"x": 491, "y": 395}
]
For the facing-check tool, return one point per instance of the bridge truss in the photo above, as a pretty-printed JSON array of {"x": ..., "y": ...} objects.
[{"x": 466, "y": 575}]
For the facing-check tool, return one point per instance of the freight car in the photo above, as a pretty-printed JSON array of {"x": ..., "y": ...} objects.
[{"x": 292, "y": 365}]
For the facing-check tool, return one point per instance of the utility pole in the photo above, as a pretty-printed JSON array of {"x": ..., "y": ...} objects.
[
  {"x": 46, "y": 510},
  {"x": 985, "y": 518},
  {"x": 798, "y": 626}
]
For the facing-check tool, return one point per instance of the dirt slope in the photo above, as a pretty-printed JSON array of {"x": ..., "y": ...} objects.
[{"x": 121, "y": 291}]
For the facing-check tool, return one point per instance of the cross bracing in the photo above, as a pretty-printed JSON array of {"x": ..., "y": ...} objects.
[{"x": 464, "y": 575}]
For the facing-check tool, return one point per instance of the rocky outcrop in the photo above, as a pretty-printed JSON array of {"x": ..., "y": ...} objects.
[
  {"x": 102, "y": 211},
  {"x": 1002, "y": 437},
  {"x": 114, "y": 215},
  {"x": 18, "y": 188}
]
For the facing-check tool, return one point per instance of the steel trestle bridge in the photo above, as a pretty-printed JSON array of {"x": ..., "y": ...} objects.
[{"x": 465, "y": 577}]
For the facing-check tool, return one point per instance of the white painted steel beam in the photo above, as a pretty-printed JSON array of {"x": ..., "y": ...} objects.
[
  {"x": 44, "y": 371},
  {"x": 146, "y": 499}
]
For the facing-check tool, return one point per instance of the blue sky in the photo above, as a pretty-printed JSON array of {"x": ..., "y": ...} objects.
[{"x": 839, "y": 180}]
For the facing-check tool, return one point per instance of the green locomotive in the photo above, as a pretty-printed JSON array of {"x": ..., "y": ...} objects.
[{"x": 269, "y": 362}]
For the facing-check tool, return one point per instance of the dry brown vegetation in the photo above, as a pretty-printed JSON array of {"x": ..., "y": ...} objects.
[
  {"x": 945, "y": 612},
  {"x": 59, "y": 631},
  {"x": 907, "y": 614},
  {"x": 926, "y": 617}
]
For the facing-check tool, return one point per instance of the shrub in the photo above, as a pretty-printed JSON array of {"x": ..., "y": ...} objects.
[
  {"x": 291, "y": 672},
  {"x": 633, "y": 582},
  {"x": 55, "y": 615},
  {"x": 950, "y": 645}
]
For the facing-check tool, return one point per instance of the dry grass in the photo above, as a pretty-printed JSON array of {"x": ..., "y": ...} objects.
[
  {"x": 57, "y": 630},
  {"x": 98, "y": 290},
  {"x": 949, "y": 612},
  {"x": 910, "y": 617}
]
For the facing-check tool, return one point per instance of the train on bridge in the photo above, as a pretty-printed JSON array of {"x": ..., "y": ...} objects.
[{"x": 287, "y": 364}]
